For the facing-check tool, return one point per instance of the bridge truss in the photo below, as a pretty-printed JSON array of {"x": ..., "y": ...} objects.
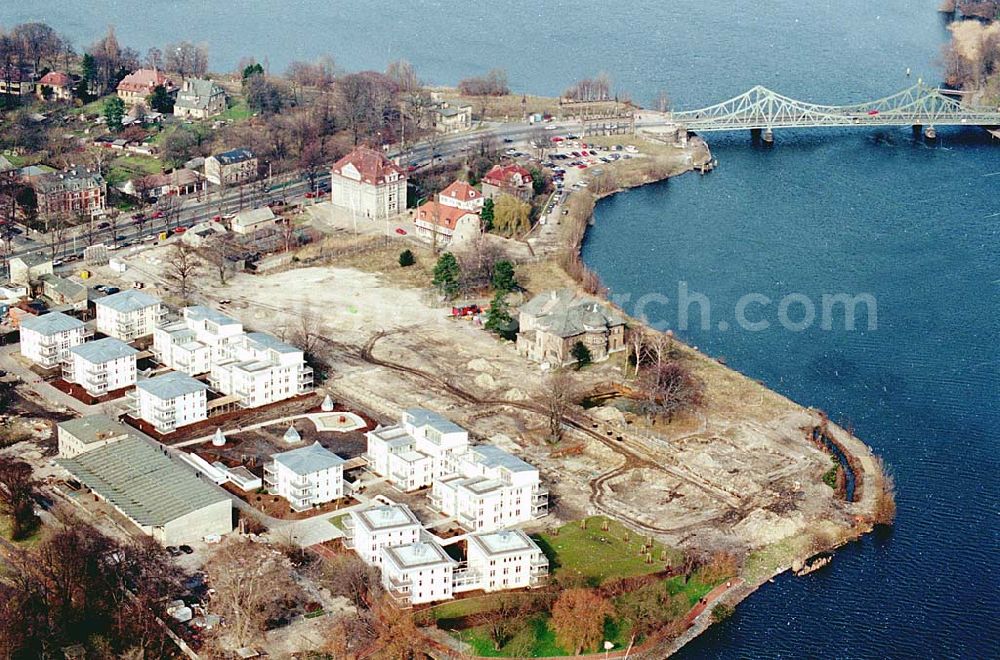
[{"x": 761, "y": 108}]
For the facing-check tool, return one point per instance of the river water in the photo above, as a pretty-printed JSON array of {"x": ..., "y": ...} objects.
[{"x": 861, "y": 212}]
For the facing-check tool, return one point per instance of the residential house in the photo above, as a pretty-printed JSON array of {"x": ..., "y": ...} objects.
[
  {"x": 169, "y": 401},
  {"x": 488, "y": 489},
  {"x": 506, "y": 559},
  {"x": 461, "y": 195},
  {"x": 413, "y": 453},
  {"x": 46, "y": 339},
  {"x": 161, "y": 496},
  {"x": 250, "y": 220},
  {"x": 200, "y": 338},
  {"x": 180, "y": 182},
  {"x": 420, "y": 572},
  {"x": 552, "y": 323},
  {"x": 138, "y": 85},
  {"x": 199, "y": 99},
  {"x": 369, "y": 530},
  {"x": 262, "y": 370},
  {"x": 101, "y": 366},
  {"x": 446, "y": 118},
  {"x": 231, "y": 168},
  {"x": 62, "y": 291},
  {"x": 306, "y": 477},
  {"x": 58, "y": 84},
  {"x": 80, "y": 434},
  {"x": 25, "y": 269},
  {"x": 513, "y": 180},
  {"x": 203, "y": 234},
  {"x": 368, "y": 184},
  {"x": 448, "y": 223},
  {"x": 76, "y": 191}
]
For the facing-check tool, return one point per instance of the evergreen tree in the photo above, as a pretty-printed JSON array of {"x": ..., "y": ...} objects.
[
  {"x": 498, "y": 319},
  {"x": 160, "y": 100},
  {"x": 114, "y": 113},
  {"x": 89, "y": 68},
  {"x": 252, "y": 70},
  {"x": 487, "y": 215},
  {"x": 504, "y": 280},
  {"x": 406, "y": 258},
  {"x": 581, "y": 354},
  {"x": 447, "y": 274}
]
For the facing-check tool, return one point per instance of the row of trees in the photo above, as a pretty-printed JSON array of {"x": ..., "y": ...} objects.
[{"x": 590, "y": 89}]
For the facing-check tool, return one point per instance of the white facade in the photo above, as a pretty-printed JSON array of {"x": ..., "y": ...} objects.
[
  {"x": 413, "y": 453},
  {"x": 201, "y": 338},
  {"x": 306, "y": 476},
  {"x": 502, "y": 560},
  {"x": 262, "y": 370},
  {"x": 129, "y": 314},
  {"x": 368, "y": 184},
  {"x": 46, "y": 339},
  {"x": 82, "y": 434},
  {"x": 420, "y": 572},
  {"x": 369, "y": 530},
  {"x": 169, "y": 401},
  {"x": 101, "y": 366},
  {"x": 490, "y": 489}
]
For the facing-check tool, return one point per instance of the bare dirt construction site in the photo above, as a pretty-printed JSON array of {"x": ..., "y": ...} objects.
[{"x": 739, "y": 475}]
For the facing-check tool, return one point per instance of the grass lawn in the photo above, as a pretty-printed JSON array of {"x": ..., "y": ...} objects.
[
  {"x": 537, "y": 639},
  {"x": 94, "y": 107},
  {"x": 338, "y": 521},
  {"x": 126, "y": 167},
  {"x": 29, "y": 542},
  {"x": 239, "y": 111},
  {"x": 599, "y": 555}
]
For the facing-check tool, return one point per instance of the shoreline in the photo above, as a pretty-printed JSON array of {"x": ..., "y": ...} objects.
[{"x": 869, "y": 476}]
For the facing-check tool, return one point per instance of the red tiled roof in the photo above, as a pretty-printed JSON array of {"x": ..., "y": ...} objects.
[
  {"x": 504, "y": 174},
  {"x": 373, "y": 165},
  {"x": 443, "y": 216},
  {"x": 462, "y": 191},
  {"x": 56, "y": 79},
  {"x": 144, "y": 80}
]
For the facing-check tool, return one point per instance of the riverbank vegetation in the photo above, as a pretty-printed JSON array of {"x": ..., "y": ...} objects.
[{"x": 971, "y": 59}]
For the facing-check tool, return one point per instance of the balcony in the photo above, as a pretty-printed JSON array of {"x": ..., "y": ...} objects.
[
  {"x": 270, "y": 475},
  {"x": 400, "y": 598},
  {"x": 132, "y": 403},
  {"x": 301, "y": 488},
  {"x": 299, "y": 504}
]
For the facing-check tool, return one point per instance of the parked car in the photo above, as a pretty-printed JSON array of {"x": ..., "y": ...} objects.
[
  {"x": 400, "y": 231},
  {"x": 173, "y": 551},
  {"x": 104, "y": 225},
  {"x": 310, "y": 195},
  {"x": 157, "y": 215},
  {"x": 216, "y": 218},
  {"x": 186, "y": 549},
  {"x": 180, "y": 230},
  {"x": 111, "y": 290}
]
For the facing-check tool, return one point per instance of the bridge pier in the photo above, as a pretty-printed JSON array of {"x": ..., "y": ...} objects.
[
  {"x": 917, "y": 130},
  {"x": 755, "y": 135},
  {"x": 768, "y": 136}
]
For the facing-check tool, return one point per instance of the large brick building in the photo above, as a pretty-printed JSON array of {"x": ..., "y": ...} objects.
[
  {"x": 76, "y": 191},
  {"x": 231, "y": 167},
  {"x": 513, "y": 180},
  {"x": 552, "y": 323},
  {"x": 136, "y": 86}
]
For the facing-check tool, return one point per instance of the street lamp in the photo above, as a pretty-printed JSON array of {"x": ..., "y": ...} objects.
[{"x": 607, "y": 647}]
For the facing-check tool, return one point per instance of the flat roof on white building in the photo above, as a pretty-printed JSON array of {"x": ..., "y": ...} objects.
[
  {"x": 387, "y": 516},
  {"x": 129, "y": 300},
  {"x": 51, "y": 323},
  {"x": 492, "y": 456},
  {"x": 103, "y": 350},
  {"x": 508, "y": 540},
  {"x": 171, "y": 385},
  {"x": 419, "y": 554},
  {"x": 306, "y": 460},
  {"x": 438, "y": 422}
]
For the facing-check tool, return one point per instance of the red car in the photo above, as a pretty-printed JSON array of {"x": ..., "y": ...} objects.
[
  {"x": 873, "y": 112},
  {"x": 400, "y": 231},
  {"x": 216, "y": 218},
  {"x": 582, "y": 166},
  {"x": 157, "y": 215},
  {"x": 180, "y": 230},
  {"x": 557, "y": 139},
  {"x": 310, "y": 195}
]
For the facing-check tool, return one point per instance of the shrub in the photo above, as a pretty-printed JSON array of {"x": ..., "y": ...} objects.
[{"x": 406, "y": 258}]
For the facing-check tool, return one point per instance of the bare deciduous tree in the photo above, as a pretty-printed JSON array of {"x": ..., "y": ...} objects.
[
  {"x": 503, "y": 616},
  {"x": 670, "y": 387},
  {"x": 182, "y": 265},
  {"x": 557, "y": 396},
  {"x": 252, "y": 582}
]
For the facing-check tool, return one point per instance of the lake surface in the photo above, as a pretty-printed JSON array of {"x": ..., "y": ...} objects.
[{"x": 914, "y": 225}]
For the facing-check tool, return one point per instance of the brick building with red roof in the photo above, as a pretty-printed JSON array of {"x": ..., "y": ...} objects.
[
  {"x": 462, "y": 196},
  {"x": 365, "y": 182},
  {"x": 59, "y": 84}
]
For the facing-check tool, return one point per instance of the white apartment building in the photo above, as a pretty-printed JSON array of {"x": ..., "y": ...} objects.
[
  {"x": 262, "y": 370},
  {"x": 369, "y": 530},
  {"x": 413, "y": 453},
  {"x": 169, "y": 401},
  {"x": 199, "y": 339},
  {"x": 488, "y": 489},
  {"x": 420, "y": 572},
  {"x": 101, "y": 366},
  {"x": 306, "y": 476},
  {"x": 129, "y": 314},
  {"x": 367, "y": 184},
  {"x": 46, "y": 339},
  {"x": 507, "y": 559}
]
